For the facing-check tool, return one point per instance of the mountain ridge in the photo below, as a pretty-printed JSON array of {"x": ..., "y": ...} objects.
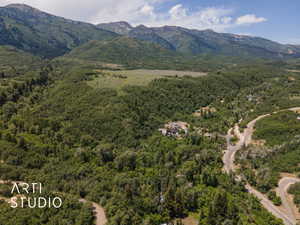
[
  {"x": 43, "y": 34},
  {"x": 193, "y": 41}
]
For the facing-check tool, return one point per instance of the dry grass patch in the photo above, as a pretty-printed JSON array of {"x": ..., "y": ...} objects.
[
  {"x": 294, "y": 71},
  {"x": 294, "y": 97},
  {"x": 191, "y": 220}
]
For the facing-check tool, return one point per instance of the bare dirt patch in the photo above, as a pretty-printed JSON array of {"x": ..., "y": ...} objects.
[{"x": 190, "y": 221}]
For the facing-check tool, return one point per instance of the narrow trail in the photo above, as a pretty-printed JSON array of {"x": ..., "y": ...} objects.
[
  {"x": 98, "y": 211},
  {"x": 287, "y": 211}
]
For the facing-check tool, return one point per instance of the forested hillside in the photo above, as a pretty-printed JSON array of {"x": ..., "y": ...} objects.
[
  {"x": 132, "y": 53},
  {"x": 104, "y": 145}
]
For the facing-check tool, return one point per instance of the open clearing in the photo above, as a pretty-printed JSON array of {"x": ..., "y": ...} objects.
[
  {"x": 120, "y": 78},
  {"x": 141, "y": 72},
  {"x": 295, "y": 97},
  {"x": 294, "y": 71}
]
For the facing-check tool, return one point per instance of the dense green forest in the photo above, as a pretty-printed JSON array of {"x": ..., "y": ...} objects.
[{"x": 104, "y": 145}]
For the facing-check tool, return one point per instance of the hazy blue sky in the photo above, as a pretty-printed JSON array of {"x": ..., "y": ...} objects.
[{"x": 274, "y": 19}]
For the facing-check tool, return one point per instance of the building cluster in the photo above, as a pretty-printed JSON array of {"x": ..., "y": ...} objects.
[{"x": 175, "y": 129}]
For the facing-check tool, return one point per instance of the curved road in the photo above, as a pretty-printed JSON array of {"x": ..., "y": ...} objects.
[
  {"x": 288, "y": 214},
  {"x": 98, "y": 211},
  {"x": 282, "y": 190}
]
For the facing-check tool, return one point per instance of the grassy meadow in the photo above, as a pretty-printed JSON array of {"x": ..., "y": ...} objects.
[{"x": 119, "y": 78}]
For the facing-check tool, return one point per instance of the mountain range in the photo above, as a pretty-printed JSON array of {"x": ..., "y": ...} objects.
[
  {"x": 191, "y": 41},
  {"x": 49, "y": 36}
]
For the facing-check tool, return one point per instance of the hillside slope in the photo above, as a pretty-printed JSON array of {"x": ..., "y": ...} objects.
[
  {"x": 10, "y": 56},
  {"x": 123, "y": 50},
  {"x": 137, "y": 54},
  {"x": 43, "y": 34}
]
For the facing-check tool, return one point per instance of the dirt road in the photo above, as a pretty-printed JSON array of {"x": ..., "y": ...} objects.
[
  {"x": 287, "y": 214},
  {"x": 98, "y": 212}
]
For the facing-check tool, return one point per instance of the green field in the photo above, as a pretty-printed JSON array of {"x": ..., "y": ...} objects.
[{"x": 120, "y": 78}]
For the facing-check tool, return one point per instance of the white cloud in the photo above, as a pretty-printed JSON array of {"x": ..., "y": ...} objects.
[
  {"x": 133, "y": 11},
  {"x": 249, "y": 19},
  {"x": 178, "y": 12},
  {"x": 94, "y": 10},
  {"x": 142, "y": 12},
  {"x": 218, "y": 19},
  {"x": 147, "y": 10}
]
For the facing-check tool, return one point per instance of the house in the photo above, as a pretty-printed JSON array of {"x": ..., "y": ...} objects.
[{"x": 175, "y": 129}]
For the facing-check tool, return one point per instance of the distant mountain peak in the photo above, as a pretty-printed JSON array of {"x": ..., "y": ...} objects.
[
  {"x": 142, "y": 26},
  {"x": 120, "y": 23},
  {"x": 124, "y": 23},
  {"x": 209, "y": 31},
  {"x": 43, "y": 34},
  {"x": 120, "y": 27},
  {"x": 22, "y": 7},
  {"x": 26, "y": 9}
]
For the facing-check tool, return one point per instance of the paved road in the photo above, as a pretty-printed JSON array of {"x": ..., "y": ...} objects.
[
  {"x": 245, "y": 138},
  {"x": 282, "y": 189},
  {"x": 228, "y": 157}
]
